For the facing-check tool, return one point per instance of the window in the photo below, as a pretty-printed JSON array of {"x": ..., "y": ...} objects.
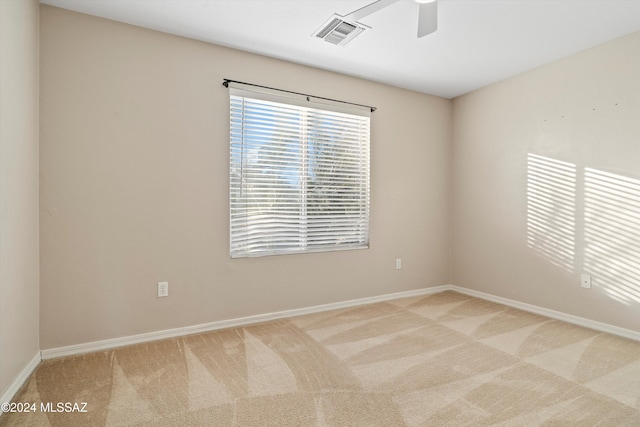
[{"x": 299, "y": 174}]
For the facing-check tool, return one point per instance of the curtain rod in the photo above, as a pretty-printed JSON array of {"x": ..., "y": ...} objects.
[{"x": 226, "y": 82}]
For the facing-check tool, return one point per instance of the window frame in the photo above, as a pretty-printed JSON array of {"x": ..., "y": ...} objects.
[{"x": 347, "y": 115}]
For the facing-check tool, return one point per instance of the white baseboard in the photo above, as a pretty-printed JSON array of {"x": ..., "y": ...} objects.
[
  {"x": 580, "y": 321},
  {"x": 224, "y": 324},
  {"x": 21, "y": 379},
  {"x": 249, "y": 320}
]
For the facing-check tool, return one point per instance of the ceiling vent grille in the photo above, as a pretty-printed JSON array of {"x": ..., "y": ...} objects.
[{"x": 338, "y": 31}]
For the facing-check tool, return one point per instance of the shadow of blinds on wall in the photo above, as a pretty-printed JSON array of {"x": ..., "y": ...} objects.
[
  {"x": 551, "y": 211},
  {"x": 612, "y": 234},
  {"x": 299, "y": 173}
]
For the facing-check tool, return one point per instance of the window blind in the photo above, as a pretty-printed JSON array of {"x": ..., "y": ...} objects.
[{"x": 299, "y": 175}]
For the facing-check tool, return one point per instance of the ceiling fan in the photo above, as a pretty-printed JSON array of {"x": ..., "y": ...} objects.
[{"x": 340, "y": 30}]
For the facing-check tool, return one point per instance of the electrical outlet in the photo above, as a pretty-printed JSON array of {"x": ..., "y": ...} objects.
[
  {"x": 163, "y": 289},
  {"x": 585, "y": 281},
  {"x": 398, "y": 263}
]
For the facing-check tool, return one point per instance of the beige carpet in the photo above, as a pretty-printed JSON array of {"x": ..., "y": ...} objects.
[{"x": 444, "y": 359}]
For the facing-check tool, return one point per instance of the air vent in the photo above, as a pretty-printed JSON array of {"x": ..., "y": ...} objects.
[{"x": 338, "y": 31}]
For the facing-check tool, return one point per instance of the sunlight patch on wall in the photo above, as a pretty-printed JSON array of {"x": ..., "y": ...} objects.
[
  {"x": 551, "y": 211},
  {"x": 612, "y": 233}
]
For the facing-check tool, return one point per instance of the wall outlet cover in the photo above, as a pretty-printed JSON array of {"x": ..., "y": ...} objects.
[{"x": 163, "y": 289}]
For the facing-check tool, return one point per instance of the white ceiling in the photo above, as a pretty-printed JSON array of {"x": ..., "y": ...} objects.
[{"x": 478, "y": 42}]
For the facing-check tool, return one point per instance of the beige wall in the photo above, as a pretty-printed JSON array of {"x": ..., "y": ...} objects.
[
  {"x": 134, "y": 186},
  {"x": 574, "y": 127},
  {"x": 18, "y": 188}
]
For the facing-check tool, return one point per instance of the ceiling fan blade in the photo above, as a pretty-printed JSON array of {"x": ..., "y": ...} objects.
[
  {"x": 427, "y": 18},
  {"x": 369, "y": 9}
]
